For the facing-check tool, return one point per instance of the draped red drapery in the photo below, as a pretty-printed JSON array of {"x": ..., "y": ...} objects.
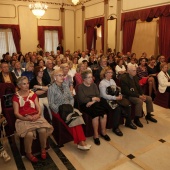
[
  {"x": 90, "y": 31},
  {"x": 147, "y": 15},
  {"x": 15, "y": 33},
  {"x": 41, "y": 30}
]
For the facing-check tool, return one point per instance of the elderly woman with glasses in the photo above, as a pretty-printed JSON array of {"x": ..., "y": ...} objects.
[
  {"x": 106, "y": 76},
  {"x": 93, "y": 105},
  {"x": 59, "y": 94},
  {"x": 40, "y": 86}
]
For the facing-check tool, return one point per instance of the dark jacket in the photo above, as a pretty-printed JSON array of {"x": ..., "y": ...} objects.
[
  {"x": 12, "y": 78},
  {"x": 46, "y": 76},
  {"x": 130, "y": 87}
]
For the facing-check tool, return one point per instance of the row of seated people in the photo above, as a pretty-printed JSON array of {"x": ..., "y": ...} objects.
[
  {"x": 27, "y": 109},
  {"x": 115, "y": 129}
]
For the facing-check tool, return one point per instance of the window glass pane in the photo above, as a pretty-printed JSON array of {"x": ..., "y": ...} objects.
[
  {"x": 48, "y": 41},
  {"x": 11, "y": 45},
  {"x": 55, "y": 41},
  {"x": 3, "y": 45}
]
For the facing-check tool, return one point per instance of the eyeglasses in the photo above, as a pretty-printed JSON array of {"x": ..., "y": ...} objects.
[
  {"x": 89, "y": 77},
  {"x": 60, "y": 75}
]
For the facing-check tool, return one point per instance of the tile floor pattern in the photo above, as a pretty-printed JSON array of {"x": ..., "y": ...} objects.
[{"x": 145, "y": 148}]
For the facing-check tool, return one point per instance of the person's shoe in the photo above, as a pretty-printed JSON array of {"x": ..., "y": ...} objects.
[
  {"x": 4, "y": 155},
  {"x": 43, "y": 154},
  {"x": 150, "y": 118},
  {"x": 106, "y": 137},
  {"x": 118, "y": 132},
  {"x": 131, "y": 125},
  {"x": 96, "y": 141},
  {"x": 138, "y": 123},
  {"x": 85, "y": 147},
  {"x": 32, "y": 158}
]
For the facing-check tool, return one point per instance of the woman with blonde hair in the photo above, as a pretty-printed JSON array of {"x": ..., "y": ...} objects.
[
  {"x": 107, "y": 81},
  {"x": 59, "y": 95},
  {"x": 78, "y": 78},
  {"x": 29, "y": 71},
  {"x": 29, "y": 119},
  {"x": 67, "y": 78}
]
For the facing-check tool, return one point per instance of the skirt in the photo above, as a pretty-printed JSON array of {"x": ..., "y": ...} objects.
[{"x": 97, "y": 109}]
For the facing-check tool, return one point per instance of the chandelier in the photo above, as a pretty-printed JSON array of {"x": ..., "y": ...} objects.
[
  {"x": 75, "y": 2},
  {"x": 38, "y": 9}
]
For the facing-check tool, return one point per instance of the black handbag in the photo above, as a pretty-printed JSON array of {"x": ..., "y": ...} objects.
[
  {"x": 7, "y": 98},
  {"x": 65, "y": 110},
  {"x": 116, "y": 91}
]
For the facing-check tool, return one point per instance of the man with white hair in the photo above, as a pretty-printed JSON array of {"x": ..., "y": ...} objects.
[{"x": 132, "y": 91}]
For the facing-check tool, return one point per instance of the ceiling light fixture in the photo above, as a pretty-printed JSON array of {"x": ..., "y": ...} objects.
[
  {"x": 75, "y": 2},
  {"x": 38, "y": 9}
]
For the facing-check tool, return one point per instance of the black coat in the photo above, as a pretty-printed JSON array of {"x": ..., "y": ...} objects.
[{"x": 130, "y": 87}]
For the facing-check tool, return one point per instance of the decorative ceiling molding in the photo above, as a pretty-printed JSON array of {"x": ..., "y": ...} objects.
[{"x": 55, "y": 3}]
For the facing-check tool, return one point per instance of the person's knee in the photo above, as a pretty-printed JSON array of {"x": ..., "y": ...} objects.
[
  {"x": 42, "y": 130},
  {"x": 148, "y": 99},
  {"x": 29, "y": 135}
]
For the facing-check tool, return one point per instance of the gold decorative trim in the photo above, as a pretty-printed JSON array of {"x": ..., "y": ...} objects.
[
  {"x": 55, "y": 3},
  {"x": 14, "y": 9}
]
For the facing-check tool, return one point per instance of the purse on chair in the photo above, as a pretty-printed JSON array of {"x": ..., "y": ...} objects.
[
  {"x": 8, "y": 97},
  {"x": 116, "y": 91}
]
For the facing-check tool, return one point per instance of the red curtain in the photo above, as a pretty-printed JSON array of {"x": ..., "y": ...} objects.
[
  {"x": 147, "y": 15},
  {"x": 128, "y": 35},
  {"x": 15, "y": 33},
  {"x": 164, "y": 36},
  {"x": 90, "y": 32},
  {"x": 41, "y": 30}
]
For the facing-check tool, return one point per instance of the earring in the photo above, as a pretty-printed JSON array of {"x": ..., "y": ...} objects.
[{"x": 55, "y": 79}]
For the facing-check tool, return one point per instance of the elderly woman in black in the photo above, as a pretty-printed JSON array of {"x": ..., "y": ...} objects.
[{"x": 91, "y": 103}]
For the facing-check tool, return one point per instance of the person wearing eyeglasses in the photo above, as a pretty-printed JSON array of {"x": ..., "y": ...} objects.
[
  {"x": 106, "y": 76},
  {"x": 59, "y": 94},
  {"x": 40, "y": 86},
  {"x": 93, "y": 105}
]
